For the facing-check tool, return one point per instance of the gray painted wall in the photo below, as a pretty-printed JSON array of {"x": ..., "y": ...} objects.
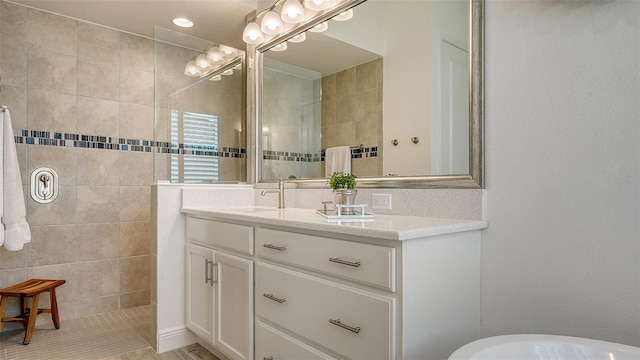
[{"x": 562, "y": 253}]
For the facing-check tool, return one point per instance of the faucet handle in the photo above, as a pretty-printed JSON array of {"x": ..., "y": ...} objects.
[{"x": 324, "y": 205}]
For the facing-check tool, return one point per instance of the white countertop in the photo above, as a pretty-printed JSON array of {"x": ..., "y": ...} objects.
[{"x": 388, "y": 227}]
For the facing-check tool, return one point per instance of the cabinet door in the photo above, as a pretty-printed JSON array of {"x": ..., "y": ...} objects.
[
  {"x": 200, "y": 291},
  {"x": 234, "y": 327}
]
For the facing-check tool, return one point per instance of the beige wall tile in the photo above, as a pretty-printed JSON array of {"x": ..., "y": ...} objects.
[
  {"x": 133, "y": 299},
  {"x": 15, "y": 98},
  {"x": 134, "y": 274},
  {"x": 367, "y": 76},
  {"x": 367, "y": 133},
  {"x": 136, "y": 86},
  {"x": 345, "y": 109},
  {"x": 52, "y": 244},
  {"x": 97, "y": 241},
  {"x": 134, "y": 238},
  {"x": 98, "y": 117},
  {"x": 91, "y": 306},
  {"x": 98, "y": 167},
  {"x": 346, "y": 82},
  {"x": 97, "y": 278},
  {"x": 345, "y": 134},
  {"x": 51, "y": 111},
  {"x": 136, "y": 168},
  {"x": 13, "y": 276},
  {"x": 135, "y": 203},
  {"x": 13, "y": 24},
  {"x": 97, "y": 204},
  {"x": 13, "y": 63},
  {"x": 136, "y": 121},
  {"x": 137, "y": 52},
  {"x": 51, "y": 32},
  {"x": 61, "y": 211},
  {"x": 64, "y": 293},
  {"x": 329, "y": 87},
  {"x": 14, "y": 259},
  {"x": 98, "y": 43},
  {"x": 366, "y": 106},
  {"x": 98, "y": 80},
  {"x": 61, "y": 159},
  {"x": 52, "y": 72}
]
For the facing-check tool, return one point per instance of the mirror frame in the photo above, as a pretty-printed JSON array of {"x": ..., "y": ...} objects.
[{"x": 473, "y": 180}]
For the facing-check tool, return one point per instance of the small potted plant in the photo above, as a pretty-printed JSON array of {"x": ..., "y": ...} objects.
[{"x": 344, "y": 188}]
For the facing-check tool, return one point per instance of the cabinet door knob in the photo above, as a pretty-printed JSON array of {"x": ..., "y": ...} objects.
[
  {"x": 271, "y": 297},
  {"x": 345, "y": 262},
  {"x": 337, "y": 322},
  {"x": 275, "y": 247}
]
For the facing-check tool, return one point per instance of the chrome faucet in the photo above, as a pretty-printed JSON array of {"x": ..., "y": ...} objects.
[{"x": 280, "y": 193}]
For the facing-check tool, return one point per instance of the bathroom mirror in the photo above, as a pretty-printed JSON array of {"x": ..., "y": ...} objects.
[{"x": 290, "y": 130}]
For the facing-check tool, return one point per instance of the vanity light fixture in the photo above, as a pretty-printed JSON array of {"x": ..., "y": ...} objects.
[
  {"x": 292, "y": 12},
  {"x": 271, "y": 23},
  {"x": 182, "y": 22},
  {"x": 280, "y": 47},
  {"x": 317, "y": 5},
  {"x": 298, "y": 38},
  {"x": 344, "y": 16},
  {"x": 283, "y": 14},
  {"x": 216, "y": 78},
  {"x": 214, "y": 55},
  {"x": 228, "y": 72},
  {"x": 228, "y": 51},
  {"x": 252, "y": 34},
  {"x": 191, "y": 69},
  {"x": 320, "y": 27},
  {"x": 202, "y": 63}
]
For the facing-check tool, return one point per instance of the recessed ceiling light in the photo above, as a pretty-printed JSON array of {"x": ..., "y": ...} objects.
[{"x": 183, "y": 22}]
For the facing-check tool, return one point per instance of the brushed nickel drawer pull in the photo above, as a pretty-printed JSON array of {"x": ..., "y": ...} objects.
[
  {"x": 271, "y": 297},
  {"x": 337, "y": 322},
  {"x": 345, "y": 262},
  {"x": 274, "y": 247}
]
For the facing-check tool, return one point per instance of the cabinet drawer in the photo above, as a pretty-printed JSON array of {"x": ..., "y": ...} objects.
[
  {"x": 274, "y": 344},
  {"x": 352, "y": 322},
  {"x": 221, "y": 235},
  {"x": 369, "y": 264}
]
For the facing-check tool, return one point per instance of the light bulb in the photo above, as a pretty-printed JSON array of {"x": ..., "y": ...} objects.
[
  {"x": 215, "y": 78},
  {"x": 280, "y": 47},
  {"x": 228, "y": 51},
  {"x": 292, "y": 12},
  {"x": 317, "y": 5},
  {"x": 228, "y": 72},
  {"x": 214, "y": 55},
  {"x": 182, "y": 22},
  {"x": 202, "y": 63},
  {"x": 271, "y": 23},
  {"x": 191, "y": 69},
  {"x": 320, "y": 27},
  {"x": 252, "y": 34},
  {"x": 298, "y": 38},
  {"x": 344, "y": 16}
]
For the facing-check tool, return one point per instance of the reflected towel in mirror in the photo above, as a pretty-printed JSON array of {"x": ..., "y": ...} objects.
[{"x": 337, "y": 159}]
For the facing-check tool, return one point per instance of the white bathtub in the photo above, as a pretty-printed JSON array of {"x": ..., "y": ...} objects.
[{"x": 547, "y": 347}]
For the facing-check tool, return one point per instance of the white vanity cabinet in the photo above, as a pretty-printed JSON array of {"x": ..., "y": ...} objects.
[
  {"x": 219, "y": 304},
  {"x": 362, "y": 298}
]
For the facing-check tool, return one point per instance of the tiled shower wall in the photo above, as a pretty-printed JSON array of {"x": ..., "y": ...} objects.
[
  {"x": 352, "y": 114},
  {"x": 73, "y": 78}
]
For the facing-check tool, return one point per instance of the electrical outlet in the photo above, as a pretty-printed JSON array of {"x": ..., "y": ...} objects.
[{"x": 381, "y": 201}]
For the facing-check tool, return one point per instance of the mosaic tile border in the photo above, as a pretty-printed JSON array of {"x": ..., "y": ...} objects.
[
  {"x": 357, "y": 153},
  {"x": 50, "y": 138}
]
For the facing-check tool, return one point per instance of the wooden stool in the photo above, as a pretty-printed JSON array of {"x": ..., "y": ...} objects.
[{"x": 30, "y": 288}]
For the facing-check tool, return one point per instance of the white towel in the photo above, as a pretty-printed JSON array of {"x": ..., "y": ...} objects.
[
  {"x": 337, "y": 159},
  {"x": 16, "y": 231}
]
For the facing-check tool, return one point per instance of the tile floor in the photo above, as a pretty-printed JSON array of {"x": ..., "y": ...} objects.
[{"x": 118, "y": 335}]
